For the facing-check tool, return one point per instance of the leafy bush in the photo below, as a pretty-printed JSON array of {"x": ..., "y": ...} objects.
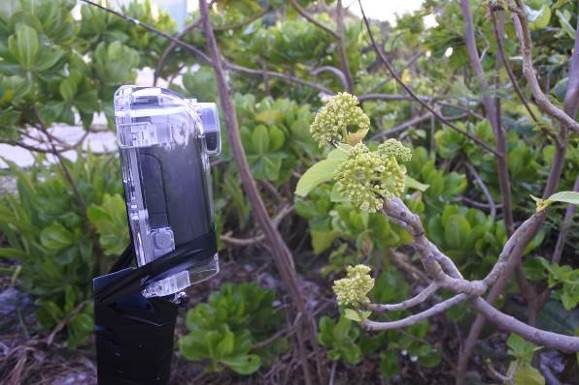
[
  {"x": 340, "y": 338},
  {"x": 227, "y": 329},
  {"x": 51, "y": 235}
]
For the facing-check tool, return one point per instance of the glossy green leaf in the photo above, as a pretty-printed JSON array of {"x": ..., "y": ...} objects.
[
  {"x": 538, "y": 19},
  {"x": 56, "y": 237},
  {"x": 320, "y": 172},
  {"x": 260, "y": 139},
  {"x": 416, "y": 185},
  {"x": 245, "y": 364},
  {"x": 24, "y": 45},
  {"x": 525, "y": 374},
  {"x": 571, "y": 197}
]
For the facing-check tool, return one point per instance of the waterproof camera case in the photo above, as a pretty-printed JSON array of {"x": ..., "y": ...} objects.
[{"x": 165, "y": 143}]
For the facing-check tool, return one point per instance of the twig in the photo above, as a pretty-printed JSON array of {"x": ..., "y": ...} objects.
[
  {"x": 335, "y": 71},
  {"x": 485, "y": 190},
  {"x": 393, "y": 97},
  {"x": 341, "y": 46},
  {"x": 411, "y": 302},
  {"x": 402, "y": 126},
  {"x": 498, "y": 31},
  {"x": 410, "y": 92},
  {"x": 196, "y": 24},
  {"x": 394, "y": 131},
  {"x": 312, "y": 20},
  {"x": 63, "y": 322},
  {"x": 524, "y": 36},
  {"x": 260, "y": 237},
  {"x": 415, "y": 318},
  {"x": 170, "y": 48},
  {"x": 479, "y": 205}
]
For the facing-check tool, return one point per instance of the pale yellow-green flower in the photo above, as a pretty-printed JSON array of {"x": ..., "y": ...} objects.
[
  {"x": 367, "y": 177},
  {"x": 353, "y": 290},
  {"x": 335, "y": 120},
  {"x": 392, "y": 147}
]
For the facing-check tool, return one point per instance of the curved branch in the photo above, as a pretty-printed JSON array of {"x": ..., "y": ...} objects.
[
  {"x": 411, "y": 302},
  {"x": 430, "y": 256},
  {"x": 415, "y": 318},
  {"x": 535, "y": 335},
  {"x": 337, "y": 72},
  {"x": 312, "y": 20},
  {"x": 170, "y": 48},
  {"x": 484, "y": 189}
]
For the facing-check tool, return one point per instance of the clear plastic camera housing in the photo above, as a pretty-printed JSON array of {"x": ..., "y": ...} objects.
[{"x": 165, "y": 143}]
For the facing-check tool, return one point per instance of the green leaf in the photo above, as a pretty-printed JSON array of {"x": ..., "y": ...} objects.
[
  {"x": 456, "y": 230},
  {"x": 319, "y": 173},
  {"x": 260, "y": 139},
  {"x": 322, "y": 239},
  {"x": 416, "y": 185},
  {"x": 56, "y": 237},
  {"x": 357, "y": 316},
  {"x": 25, "y": 46},
  {"x": 67, "y": 89},
  {"x": 527, "y": 375},
  {"x": 276, "y": 138},
  {"x": 565, "y": 24},
  {"x": 269, "y": 117},
  {"x": 244, "y": 364},
  {"x": 226, "y": 345},
  {"x": 11, "y": 253},
  {"x": 571, "y": 197},
  {"x": 538, "y": 19}
]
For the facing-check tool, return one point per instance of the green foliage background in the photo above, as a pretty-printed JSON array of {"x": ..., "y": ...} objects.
[{"x": 58, "y": 69}]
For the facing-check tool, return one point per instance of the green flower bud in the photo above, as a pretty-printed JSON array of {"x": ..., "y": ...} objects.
[
  {"x": 341, "y": 112},
  {"x": 367, "y": 177},
  {"x": 353, "y": 290},
  {"x": 392, "y": 147}
]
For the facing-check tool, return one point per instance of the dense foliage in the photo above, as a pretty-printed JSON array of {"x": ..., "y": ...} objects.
[{"x": 66, "y": 223}]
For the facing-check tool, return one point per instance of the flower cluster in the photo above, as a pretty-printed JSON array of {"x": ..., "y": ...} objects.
[
  {"x": 367, "y": 177},
  {"x": 353, "y": 290},
  {"x": 340, "y": 113},
  {"x": 392, "y": 147}
]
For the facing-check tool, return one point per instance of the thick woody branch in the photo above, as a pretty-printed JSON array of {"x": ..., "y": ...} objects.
[
  {"x": 431, "y": 257},
  {"x": 535, "y": 335}
]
